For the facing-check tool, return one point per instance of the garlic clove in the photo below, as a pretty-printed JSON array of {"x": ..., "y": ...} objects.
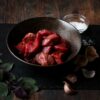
[
  {"x": 91, "y": 53},
  {"x": 88, "y": 74},
  {"x": 68, "y": 89},
  {"x": 72, "y": 78}
]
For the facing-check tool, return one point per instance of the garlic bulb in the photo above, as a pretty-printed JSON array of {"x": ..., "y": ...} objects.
[
  {"x": 88, "y": 74},
  {"x": 68, "y": 89},
  {"x": 72, "y": 78},
  {"x": 91, "y": 53}
]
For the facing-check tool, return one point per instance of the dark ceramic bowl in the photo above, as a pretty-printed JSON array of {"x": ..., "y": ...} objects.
[{"x": 64, "y": 29}]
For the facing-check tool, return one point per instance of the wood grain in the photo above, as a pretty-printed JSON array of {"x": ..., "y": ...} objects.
[{"x": 14, "y": 11}]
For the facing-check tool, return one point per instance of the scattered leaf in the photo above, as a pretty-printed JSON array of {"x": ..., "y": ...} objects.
[
  {"x": 9, "y": 97},
  {"x": 7, "y": 66},
  {"x": 9, "y": 77},
  {"x": 29, "y": 84},
  {"x": 19, "y": 79},
  {"x": 34, "y": 89},
  {"x": 12, "y": 77},
  {"x": 3, "y": 89},
  {"x": 28, "y": 80}
]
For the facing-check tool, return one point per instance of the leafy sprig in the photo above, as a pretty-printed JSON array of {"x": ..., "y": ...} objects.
[{"x": 22, "y": 87}]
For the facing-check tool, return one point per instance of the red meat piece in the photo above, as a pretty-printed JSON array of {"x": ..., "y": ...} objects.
[
  {"x": 21, "y": 47},
  {"x": 29, "y": 47},
  {"x": 44, "y": 59},
  {"x": 50, "y": 39},
  {"x": 41, "y": 58},
  {"x": 61, "y": 47},
  {"x": 58, "y": 57},
  {"x": 28, "y": 37},
  {"x": 51, "y": 60},
  {"x": 47, "y": 49},
  {"x": 44, "y": 32},
  {"x": 32, "y": 46}
]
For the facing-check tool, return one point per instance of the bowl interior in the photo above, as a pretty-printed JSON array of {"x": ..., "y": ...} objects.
[{"x": 64, "y": 29}]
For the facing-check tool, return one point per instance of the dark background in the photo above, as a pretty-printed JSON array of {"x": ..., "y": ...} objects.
[{"x": 14, "y": 11}]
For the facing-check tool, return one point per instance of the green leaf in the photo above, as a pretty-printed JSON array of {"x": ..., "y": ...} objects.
[
  {"x": 13, "y": 77},
  {"x": 28, "y": 80},
  {"x": 3, "y": 89},
  {"x": 9, "y": 97},
  {"x": 29, "y": 84},
  {"x": 34, "y": 89},
  {"x": 7, "y": 66},
  {"x": 19, "y": 79}
]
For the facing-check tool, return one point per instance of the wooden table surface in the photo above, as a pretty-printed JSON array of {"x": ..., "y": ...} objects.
[{"x": 14, "y": 11}]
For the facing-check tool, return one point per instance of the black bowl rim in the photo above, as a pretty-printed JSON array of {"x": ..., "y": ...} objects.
[{"x": 37, "y": 65}]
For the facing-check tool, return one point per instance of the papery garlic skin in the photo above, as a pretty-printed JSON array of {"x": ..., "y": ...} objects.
[
  {"x": 88, "y": 74},
  {"x": 91, "y": 53},
  {"x": 72, "y": 78},
  {"x": 66, "y": 88}
]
